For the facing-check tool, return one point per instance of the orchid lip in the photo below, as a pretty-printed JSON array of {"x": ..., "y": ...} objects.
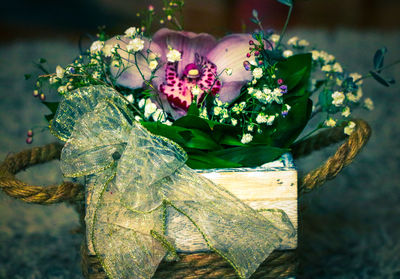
[{"x": 192, "y": 71}]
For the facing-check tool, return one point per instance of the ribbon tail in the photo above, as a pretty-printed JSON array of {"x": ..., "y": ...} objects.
[
  {"x": 239, "y": 234},
  {"x": 122, "y": 239}
]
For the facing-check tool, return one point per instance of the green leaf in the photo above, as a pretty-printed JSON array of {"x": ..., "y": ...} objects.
[
  {"x": 207, "y": 161},
  {"x": 52, "y": 106},
  {"x": 193, "y": 110},
  {"x": 231, "y": 140},
  {"x": 379, "y": 58},
  {"x": 193, "y": 122},
  {"x": 286, "y": 2},
  {"x": 290, "y": 127},
  {"x": 250, "y": 156},
  {"x": 379, "y": 78},
  {"x": 187, "y": 138},
  {"x": 295, "y": 70}
]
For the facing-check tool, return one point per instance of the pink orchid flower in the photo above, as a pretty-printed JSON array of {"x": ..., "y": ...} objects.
[{"x": 203, "y": 64}]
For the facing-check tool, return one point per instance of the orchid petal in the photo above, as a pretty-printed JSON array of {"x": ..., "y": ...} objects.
[
  {"x": 230, "y": 53},
  {"x": 230, "y": 91},
  {"x": 188, "y": 43},
  {"x": 131, "y": 77}
]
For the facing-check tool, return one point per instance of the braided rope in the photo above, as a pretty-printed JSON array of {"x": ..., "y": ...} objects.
[
  {"x": 15, "y": 188},
  {"x": 344, "y": 155},
  {"x": 201, "y": 265},
  {"x": 280, "y": 264}
]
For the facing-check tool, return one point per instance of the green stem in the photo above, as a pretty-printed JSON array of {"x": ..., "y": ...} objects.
[
  {"x": 285, "y": 26},
  {"x": 379, "y": 69}
]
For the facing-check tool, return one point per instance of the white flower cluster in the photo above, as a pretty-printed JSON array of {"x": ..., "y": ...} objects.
[
  {"x": 220, "y": 109},
  {"x": 267, "y": 119},
  {"x": 152, "y": 111},
  {"x": 322, "y": 56},
  {"x": 135, "y": 45},
  {"x": 296, "y": 42},
  {"x": 266, "y": 95},
  {"x": 174, "y": 55}
]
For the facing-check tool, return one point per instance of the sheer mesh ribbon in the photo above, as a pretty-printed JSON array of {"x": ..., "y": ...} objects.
[{"x": 135, "y": 180}]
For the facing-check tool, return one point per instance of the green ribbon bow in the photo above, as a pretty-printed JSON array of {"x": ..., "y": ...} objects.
[{"x": 135, "y": 180}]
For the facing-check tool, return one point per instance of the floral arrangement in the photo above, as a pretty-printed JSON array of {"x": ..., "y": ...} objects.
[{"x": 239, "y": 101}]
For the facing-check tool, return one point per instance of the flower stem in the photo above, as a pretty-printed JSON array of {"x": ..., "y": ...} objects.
[
  {"x": 285, "y": 26},
  {"x": 379, "y": 69}
]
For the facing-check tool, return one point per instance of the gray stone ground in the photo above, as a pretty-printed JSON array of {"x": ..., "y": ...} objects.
[{"x": 350, "y": 227}]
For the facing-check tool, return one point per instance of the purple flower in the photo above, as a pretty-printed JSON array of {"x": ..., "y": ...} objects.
[
  {"x": 283, "y": 89},
  {"x": 202, "y": 65}
]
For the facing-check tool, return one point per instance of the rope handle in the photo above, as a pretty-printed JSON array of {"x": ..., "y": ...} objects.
[
  {"x": 69, "y": 191},
  {"x": 14, "y": 163},
  {"x": 343, "y": 156}
]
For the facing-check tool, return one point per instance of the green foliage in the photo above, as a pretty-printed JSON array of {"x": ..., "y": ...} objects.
[
  {"x": 379, "y": 58},
  {"x": 288, "y": 3},
  {"x": 295, "y": 71}
]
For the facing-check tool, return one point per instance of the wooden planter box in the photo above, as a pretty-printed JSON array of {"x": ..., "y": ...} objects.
[{"x": 271, "y": 186}]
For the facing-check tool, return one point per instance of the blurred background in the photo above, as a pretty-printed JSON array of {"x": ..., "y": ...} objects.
[{"x": 350, "y": 228}]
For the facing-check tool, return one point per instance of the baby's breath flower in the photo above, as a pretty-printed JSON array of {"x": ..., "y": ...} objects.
[
  {"x": 196, "y": 91},
  {"x": 217, "y": 110},
  {"x": 142, "y": 102},
  {"x": 303, "y": 43},
  {"x": 228, "y": 71},
  {"x": 337, "y": 68},
  {"x": 369, "y": 104},
  {"x": 203, "y": 113},
  {"x": 153, "y": 56},
  {"x": 246, "y": 138},
  {"x": 315, "y": 54},
  {"x": 355, "y": 98},
  {"x": 53, "y": 80},
  {"x": 115, "y": 63},
  {"x": 330, "y": 122},
  {"x": 250, "y": 127},
  {"x": 96, "y": 75},
  {"x": 293, "y": 41},
  {"x": 261, "y": 118},
  {"x": 60, "y": 72},
  {"x": 271, "y": 119},
  {"x": 138, "y": 118},
  {"x": 253, "y": 62},
  {"x": 346, "y": 112},
  {"x": 168, "y": 123},
  {"x": 275, "y": 38},
  {"x": 159, "y": 115},
  {"x": 153, "y": 64},
  {"x": 356, "y": 77},
  {"x": 62, "y": 89},
  {"x": 149, "y": 108},
  {"x": 338, "y": 98},
  {"x": 130, "y": 32},
  {"x": 130, "y": 98},
  {"x": 326, "y": 68},
  {"x": 349, "y": 129},
  {"x": 108, "y": 50},
  {"x": 287, "y": 53},
  {"x": 135, "y": 45},
  {"x": 257, "y": 73},
  {"x": 174, "y": 56},
  {"x": 234, "y": 121},
  {"x": 96, "y": 47}
]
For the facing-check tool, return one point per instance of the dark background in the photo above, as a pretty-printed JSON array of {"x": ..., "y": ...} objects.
[{"x": 350, "y": 227}]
